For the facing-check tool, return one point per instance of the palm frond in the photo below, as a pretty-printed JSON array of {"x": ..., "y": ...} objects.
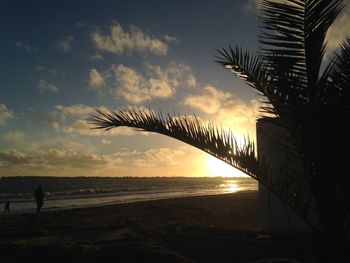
[
  {"x": 292, "y": 35},
  {"x": 210, "y": 139},
  {"x": 334, "y": 81},
  {"x": 244, "y": 65},
  {"x": 250, "y": 68},
  {"x": 283, "y": 41},
  {"x": 319, "y": 16},
  {"x": 340, "y": 75}
]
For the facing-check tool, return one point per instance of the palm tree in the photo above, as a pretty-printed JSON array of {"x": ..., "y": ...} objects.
[{"x": 304, "y": 97}]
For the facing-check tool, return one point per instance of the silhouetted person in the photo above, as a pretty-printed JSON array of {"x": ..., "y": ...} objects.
[
  {"x": 7, "y": 207},
  {"x": 39, "y": 197}
]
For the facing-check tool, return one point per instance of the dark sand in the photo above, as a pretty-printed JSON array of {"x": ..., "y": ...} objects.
[{"x": 221, "y": 228}]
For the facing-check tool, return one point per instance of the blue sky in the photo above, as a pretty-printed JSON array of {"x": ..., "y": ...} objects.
[{"x": 62, "y": 59}]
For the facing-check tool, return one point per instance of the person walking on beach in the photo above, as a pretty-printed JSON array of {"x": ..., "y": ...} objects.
[
  {"x": 7, "y": 207},
  {"x": 39, "y": 198}
]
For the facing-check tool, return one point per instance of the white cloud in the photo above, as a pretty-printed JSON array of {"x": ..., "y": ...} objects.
[
  {"x": 239, "y": 116},
  {"x": 83, "y": 127},
  {"x": 131, "y": 85},
  {"x": 72, "y": 119},
  {"x": 135, "y": 88},
  {"x": 75, "y": 110},
  {"x": 175, "y": 74},
  {"x": 227, "y": 111},
  {"x": 211, "y": 101},
  {"x": 95, "y": 79},
  {"x": 56, "y": 158},
  {"x": 5, "y": 114},
  {"x": 150, "y": 162},
  {"x": 120, "y": 41},
  {"x": 159, "y": 157},
  {"x": 44, "y": 86},
  {"x": 66, "y": 44},
  {"x": 171, "y": 39}
]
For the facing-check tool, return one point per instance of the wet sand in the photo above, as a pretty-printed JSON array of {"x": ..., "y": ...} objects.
[{"x": 221, "y": 228}]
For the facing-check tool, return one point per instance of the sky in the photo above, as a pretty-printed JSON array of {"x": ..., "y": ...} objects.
[{"x": 61, "y": 60}]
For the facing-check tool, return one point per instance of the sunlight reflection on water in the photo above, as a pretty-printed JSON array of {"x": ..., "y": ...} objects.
[{"x": 232, "y": 188}]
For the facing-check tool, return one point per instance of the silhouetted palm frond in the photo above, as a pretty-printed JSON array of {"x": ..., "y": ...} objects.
[
  {"x": 336, "y": 79},
  {"x": 212, "y": 140}
]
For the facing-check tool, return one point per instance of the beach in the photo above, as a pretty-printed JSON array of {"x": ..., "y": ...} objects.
[{"x": 215, "y": 228}]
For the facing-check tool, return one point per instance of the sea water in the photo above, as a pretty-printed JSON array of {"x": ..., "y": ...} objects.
[{"x": 72, "y": 192}]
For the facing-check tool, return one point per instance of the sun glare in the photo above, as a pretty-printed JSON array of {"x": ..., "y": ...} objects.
[
  {"x": 232, "y": 188},
  {"x": 215, "y": 167}
]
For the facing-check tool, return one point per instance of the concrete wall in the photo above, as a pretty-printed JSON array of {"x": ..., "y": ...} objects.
[{"x": 274, "y": 214}]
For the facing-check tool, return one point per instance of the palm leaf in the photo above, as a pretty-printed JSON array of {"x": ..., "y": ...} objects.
[
  {"x": 214, "y": 141},
  {"x": 337, "y": 78},
  {"x": 319, "y": 16},
  {"x": 244, "y": 65}
]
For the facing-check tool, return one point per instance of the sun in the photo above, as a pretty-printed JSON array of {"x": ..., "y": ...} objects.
[{"x": 216, "y": 167}]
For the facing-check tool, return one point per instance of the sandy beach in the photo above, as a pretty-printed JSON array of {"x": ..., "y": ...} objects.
[{"x": 221, "y": 228}]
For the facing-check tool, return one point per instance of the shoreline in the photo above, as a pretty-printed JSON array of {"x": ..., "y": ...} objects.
[
  {"x": 118, "y": 200},
  {"x": 210, "y": 228}
]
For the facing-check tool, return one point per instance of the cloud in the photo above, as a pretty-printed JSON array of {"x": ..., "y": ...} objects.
[
  {"x": 13, "y": 157},
  {"x": 5, "y": 114},
  {"x": 240, "y": 116},
  {"x": 159, "y": 157},
  {"x": 226, "y": 110},
  {"x": 44, "y": 86},
  {"x": 82, "y": 127},
  {"x": 151, "y": 162},
  {"x": 72, "y": 119},
  {"x": 66, "y": 44},
  {"x": 171, "y": 39},
  {"x": 96, "y": 80},
  {"x": 176, "y": 74},
  {"x": 13, "y": 137},
  {"x": 75, "y": 110},
  {"x": 96, "y": 57},
  {"x": 119, "y": 41},
  {"x": 26, "y": 46},
  {"x": 210, "y": 101},
  {"x": 56, "y": 158},
  {"x": 135, "y": 87}
]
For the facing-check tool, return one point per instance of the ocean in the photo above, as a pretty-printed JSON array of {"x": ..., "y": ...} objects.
[{"x": 73, "y": 192}]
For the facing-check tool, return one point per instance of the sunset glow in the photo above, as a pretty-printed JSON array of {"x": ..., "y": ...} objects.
[{"x": 217, "y": 167}]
